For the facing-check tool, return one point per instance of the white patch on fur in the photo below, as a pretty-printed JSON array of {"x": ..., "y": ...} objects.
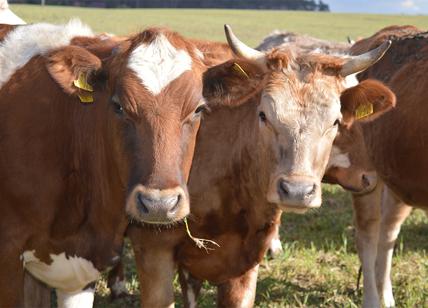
[
  {"x": 199, "y": 54},
  {"x": 275, "y": 246},
  {"x": 158, "y": 63},
  {"x": 119, "y": 287},
  {"x": 9, "y": 18},
  {"x": 25, "y": 42},
  {"x": 69, "y": 274},
  {"x": 82, "y": 299},
  {"x": 338, "y": 159},
  {"x": 351, "y": 81},
  {"x": 191, "y": 298}
]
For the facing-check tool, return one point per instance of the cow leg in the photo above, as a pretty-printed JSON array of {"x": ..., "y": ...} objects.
[
  {"x": 156, "y": 270},
  {"x": 190, "y": 288},
  {"x": 11, "y": 279},
  {"x": 275, "y": 246},
  {"x": 116, "y": 282},
  {"x": 367, "y": 220},
  {"x": 36, "y": 293},
  {"x": 394, "y": 212},
  {"x": 239, "y": 292}
]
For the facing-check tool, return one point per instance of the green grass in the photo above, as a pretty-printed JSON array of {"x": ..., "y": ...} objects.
[
  {"x": 250, "y": 25},
  {"x": 319, "y": 266}
]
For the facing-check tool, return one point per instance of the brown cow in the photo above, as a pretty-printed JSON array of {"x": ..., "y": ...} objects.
[
  {"x": 93, "y": 131},
  {"x": 250, "y": 163},
  {"x": 391, "y": 150},
  {"x": 301, "y": 43}
]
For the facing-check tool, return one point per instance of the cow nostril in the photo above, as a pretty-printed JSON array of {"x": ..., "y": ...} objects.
[
  {"x": 141, "y": 205},
  {"x": 312, "y": 189},
  {"x": 175, "y": 206},
  {"x": 283, "y": 187},
  {"x": 365, "y": 180}
]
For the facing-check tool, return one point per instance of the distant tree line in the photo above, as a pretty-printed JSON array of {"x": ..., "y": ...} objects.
[{"x": 303, "y": 5}]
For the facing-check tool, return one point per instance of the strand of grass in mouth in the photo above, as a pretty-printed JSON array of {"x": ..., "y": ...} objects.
[{"x": 200, "y": 242}]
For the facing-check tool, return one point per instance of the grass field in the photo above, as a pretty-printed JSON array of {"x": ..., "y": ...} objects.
[
  {"x": 251, "y": 26},
  {"x": 319, "y": 266}
]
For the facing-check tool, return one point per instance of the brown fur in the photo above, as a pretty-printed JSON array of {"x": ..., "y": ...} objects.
[
  {"x": 5, "y": 29},
  {"x": 230, "y": 178},
  {"x": 394, "y": 146}
]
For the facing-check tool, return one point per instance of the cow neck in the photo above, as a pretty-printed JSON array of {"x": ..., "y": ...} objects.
[{"x": 96, "y": 171}]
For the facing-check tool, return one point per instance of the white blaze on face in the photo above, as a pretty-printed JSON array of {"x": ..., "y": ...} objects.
[
  {"x": 69, "y": 274},
  {"x": 158, "y": 63},
  {"x": 338, "y": 159},
  {"x": 25, "y": 42},
  {"x": 81, "y": 299}
]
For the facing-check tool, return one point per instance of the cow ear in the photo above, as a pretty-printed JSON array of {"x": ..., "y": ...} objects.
[
  {"x": 365, "y": 101},
  {"x": 232, "y": 83},
  {"x": 75, "y": 70}
]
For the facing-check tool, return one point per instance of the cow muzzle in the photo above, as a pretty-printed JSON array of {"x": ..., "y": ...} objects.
[
  {"x": 158, "y": 206},
  {"x": 295, "y": 193}
]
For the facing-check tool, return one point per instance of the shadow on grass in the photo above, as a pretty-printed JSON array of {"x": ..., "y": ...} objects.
[
  {"x": 331, "y": 228},
  {"x": 286, "y": 292},
  {"x": 326, "y": 228}
]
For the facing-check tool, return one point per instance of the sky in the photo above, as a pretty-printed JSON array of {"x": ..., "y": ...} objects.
[{"x": 379, "y": 6}]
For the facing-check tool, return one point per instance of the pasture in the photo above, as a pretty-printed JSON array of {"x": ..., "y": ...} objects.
[{"x": 319, "y": 266}]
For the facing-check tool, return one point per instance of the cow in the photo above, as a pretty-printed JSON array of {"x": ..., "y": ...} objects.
[
  {"x": 301, "y": 43},
  {"x": 94, "y": 133},
  {"x": 383, "y": 162},
  {"x": 7, "y": 16},
  {"x": 251, "y": 162}
]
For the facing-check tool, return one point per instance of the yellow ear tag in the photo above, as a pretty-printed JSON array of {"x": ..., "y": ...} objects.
[
  {"x": 240, "y": 70},
  {"x": 81, "y": 83},
  {"x": 86, "y": 98},
  {"x": 363, "y": 111}
]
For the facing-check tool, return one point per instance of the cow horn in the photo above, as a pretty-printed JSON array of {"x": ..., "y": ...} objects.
[
  {"x": 360, "y": 63},
  {"x": 242, "y": 50}
]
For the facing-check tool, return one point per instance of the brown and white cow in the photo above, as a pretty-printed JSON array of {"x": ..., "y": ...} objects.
[
  {"x": 384, "y": 162},
  {"x": 251, "y": 162},
  {"x": 93, "y": 131},
  {"x": 7, "y": 16},
  {"x": 301, "y": 43}
]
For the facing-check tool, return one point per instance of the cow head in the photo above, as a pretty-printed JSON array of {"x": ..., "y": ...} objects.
[
  {"x": 349, "y": 163},
  {"x": 299, "y": 114},
  {"x": 151, "y": 88}
]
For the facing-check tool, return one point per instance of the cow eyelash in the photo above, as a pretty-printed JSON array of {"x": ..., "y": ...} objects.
[
  {"x": 200, "y": 109},
  {"x": 118, "y": 108}
]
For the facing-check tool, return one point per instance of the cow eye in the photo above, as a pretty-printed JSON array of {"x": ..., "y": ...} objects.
[
  {"x": 336, "y": 123},
  {"x": 117, "y": 106},
  {"x": 200, "y": 109},
  {"x": 262, "y": 116}
]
